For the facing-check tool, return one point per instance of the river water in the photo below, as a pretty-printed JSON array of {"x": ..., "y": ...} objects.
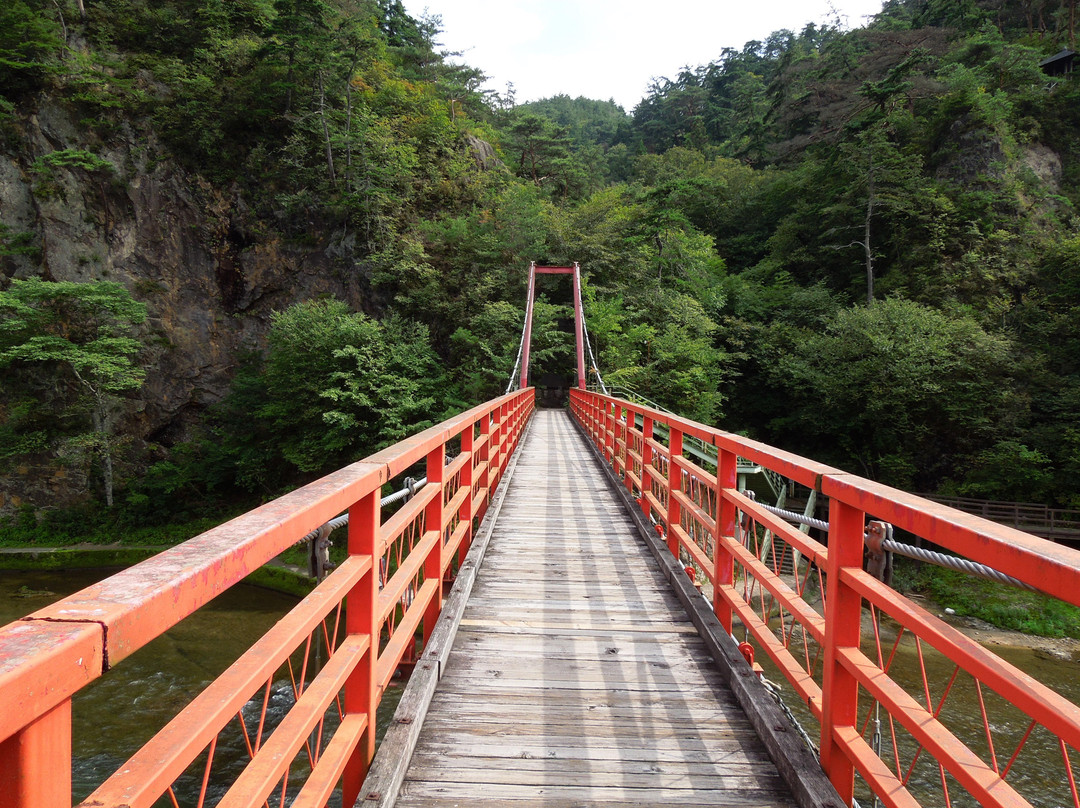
[
  {"x": 1038, "y": 772},
  {"x": 115, "y": 715}
]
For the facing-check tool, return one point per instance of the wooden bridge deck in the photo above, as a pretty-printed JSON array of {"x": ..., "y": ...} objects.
[{"x": 582, "y": 682}]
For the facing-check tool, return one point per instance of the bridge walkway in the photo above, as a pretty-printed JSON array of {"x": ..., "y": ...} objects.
[{"x": 582, "y": 681}]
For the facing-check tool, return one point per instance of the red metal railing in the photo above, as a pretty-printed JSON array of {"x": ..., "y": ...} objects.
[
  {"x": 911, "y": 711},
  {"x": 392, "y": 580}
]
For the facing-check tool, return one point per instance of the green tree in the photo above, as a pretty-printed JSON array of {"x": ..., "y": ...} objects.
[
  {"x": 886, "y": 181},
  {"x": 334, "y": 385},
  {"x": 902, "y": 391},
  {"x": 31, "y": 41},
  {"x": 544, "y": 155},
  {"x": 80, "y": 335}
]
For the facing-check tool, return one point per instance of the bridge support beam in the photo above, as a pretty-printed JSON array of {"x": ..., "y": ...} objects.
[
  {"x": 727, "y": 474},
  {"x": 843, "y": 628},
  {"x": 35, "y": 763},
  {"x": 579, "y": 321},
  {"x": 579, "y": 328},
  {"x": 362, "y": 617}
]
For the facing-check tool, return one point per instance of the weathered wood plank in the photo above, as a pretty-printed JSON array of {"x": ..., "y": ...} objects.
[
  {"x": 738, "y": 765},
  {"x": 567, "y": 777},
  {"x": 443, "y": 727},
  {"x": 735, "y": 751},
  {"x": 674, "y": 716},
  {"x": 549, "y": 795},
  {"x": 593, "y": 628},
  {"x": 601, "y": 667},
  {"x": 613, "y": 676}
]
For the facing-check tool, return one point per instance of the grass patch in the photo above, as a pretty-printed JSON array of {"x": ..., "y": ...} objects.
[
  {"x": 69, "y": 559},
  {"x": 281, "y": 580},
  {"x": 998, "y": 604},
  {"x": 63, "y": 528}
]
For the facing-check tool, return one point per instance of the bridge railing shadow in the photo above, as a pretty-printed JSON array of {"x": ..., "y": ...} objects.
[
  {"x": 908, "y": 709},
  {"x": 327, "y": 663}
]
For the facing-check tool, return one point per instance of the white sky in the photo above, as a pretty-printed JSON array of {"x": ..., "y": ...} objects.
[{"x": 612, "y": 48}]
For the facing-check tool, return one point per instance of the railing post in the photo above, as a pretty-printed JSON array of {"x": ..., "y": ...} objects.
[
  {"x": 628, "y": 460},
  {"x": 35, "y": 763},
  {"x": 362, "y": 617},
  {"x": 843, "y": 626},
  {"x": 609, "y": 432},
  {"x": 619, "y": 431},
  {"x": 465, "y": 513},
  {"x": 433, "y": 520},
  {"x": 674, "y": 483},
  {"x": 485, "y": 457},
  {"x": 646, "y": 464},
  {"x": 727, "y": 475},
  {"x": 495, "y": 464}
]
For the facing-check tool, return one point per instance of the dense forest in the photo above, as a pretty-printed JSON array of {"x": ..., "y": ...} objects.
[{"x": 860, "y": 245}]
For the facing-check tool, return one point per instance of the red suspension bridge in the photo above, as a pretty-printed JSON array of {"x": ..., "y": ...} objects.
[{"x": 595, "y": 613}]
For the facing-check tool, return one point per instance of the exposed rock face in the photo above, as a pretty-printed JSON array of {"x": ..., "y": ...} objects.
[
  {"x": 974, "y": 155},
  {"x": 483, "y": 153},
  {"x": 1045, "y": 164},
  {"x": 180, "y": 246}
]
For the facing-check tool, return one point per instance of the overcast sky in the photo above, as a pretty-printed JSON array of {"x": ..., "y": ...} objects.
[{"x": 612, "y": 48}]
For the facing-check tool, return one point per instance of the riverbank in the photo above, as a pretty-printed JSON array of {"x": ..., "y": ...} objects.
[
  {"x": 984, "y": 605},
  {"x": 1066, "y": 649},
  {"x": 277, "y": 575}
]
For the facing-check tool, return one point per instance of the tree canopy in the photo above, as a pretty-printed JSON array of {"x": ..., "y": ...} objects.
[{"x": 859, "y": 244}]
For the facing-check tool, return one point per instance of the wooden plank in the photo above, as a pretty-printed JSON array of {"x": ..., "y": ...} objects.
[
  {"x": 603, "y": 587},
  {"x": 578, "y": 630},
  {"x": 735, "y": 752},
  {"x": 675, "y": 715},
  {"x": 612, "y": 675},
  {"x": 737, "y": 764},
  {"x": 565, "y": 777},
  {"x": 555, "y": 795},
  {"x": 585, "y": 590},
  {"x": 555, "y": 644},
  {"x": 691, "y": 669},
  {"x": 630, "y": 700},
  {"x": 445, "y": 727},
  {"x": 564, "y": 650}
]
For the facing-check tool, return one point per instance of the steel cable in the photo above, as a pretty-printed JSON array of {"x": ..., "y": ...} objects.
[
  {"x": 588, "y": 344},
  {"x": 917, "y": 553},
  {"x": 524, "y": 329},
  {"x": 340, "y": 521}
]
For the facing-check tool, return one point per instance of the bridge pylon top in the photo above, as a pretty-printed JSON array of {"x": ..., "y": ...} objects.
[{"x": 575, "y": 271}]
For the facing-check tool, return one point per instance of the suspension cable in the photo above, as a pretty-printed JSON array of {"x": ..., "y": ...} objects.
[
  {"x": 411, "y": 486},
  {"x": 524, "y": 329},
  {"x": 588, "y": 344},
  {"x": 918, "y": 553}
]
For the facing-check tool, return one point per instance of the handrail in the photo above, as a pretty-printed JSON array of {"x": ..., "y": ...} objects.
[
  {"x": 821, "y": 618},
  {"x": 699, "y": 448},
  {"x": 48, "y": 656}
]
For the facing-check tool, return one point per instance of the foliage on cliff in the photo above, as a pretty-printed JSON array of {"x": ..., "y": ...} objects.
[{"x": 858, "y": 244}]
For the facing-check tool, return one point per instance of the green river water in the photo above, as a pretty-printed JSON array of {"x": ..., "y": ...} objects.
[{"x": 118, "y": 713}]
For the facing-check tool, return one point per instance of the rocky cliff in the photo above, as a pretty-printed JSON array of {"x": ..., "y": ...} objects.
[{"x": 209, "y": 273}]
